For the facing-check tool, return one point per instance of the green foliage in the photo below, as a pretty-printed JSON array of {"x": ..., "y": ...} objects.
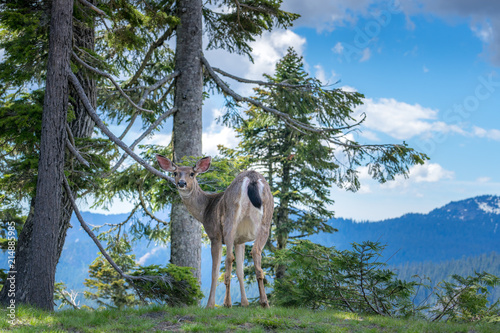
[
  {"x": 239, "y": 22},
  {"x": 356, "y": 280},
  {"x": 466, "y": 299},
  {"x": 111, "y": 289},
  {"x": 322, "y": 277},
  {"x": 171, "y": 285},
  {"x": 301, "y": 166},
  {"x": 24, "y": 29}
]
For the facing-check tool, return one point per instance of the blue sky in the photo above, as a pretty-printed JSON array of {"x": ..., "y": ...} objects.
[{"x": 429, "y": 73}]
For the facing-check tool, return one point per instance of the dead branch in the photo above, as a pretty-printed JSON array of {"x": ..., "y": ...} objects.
[
  {"x": 109, "y": 77},
  {"x": 70, "y": 135},
  {"x": 164, "y": 116},
  {"x": 157, "y": 85},
  {"x": 91, "y": 6},
  {"x": 261, "y": 83},
  {"x": 145, "y": 208},
  {"x": 72, "y": 298},
  {"x": 99, "y": 123},
  {"x": 92, "y": 235},
  {"x": 75, "y": 152},
  {"x": 297, "y": 125},
  {"x": 324, "y": 132}
]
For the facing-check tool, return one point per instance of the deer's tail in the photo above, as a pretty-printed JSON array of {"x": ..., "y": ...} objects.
[{"x": 254, "y": 195}]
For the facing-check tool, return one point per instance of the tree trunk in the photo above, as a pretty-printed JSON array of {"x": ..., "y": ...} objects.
[
  {"x": 185, "y": 230},
  {"x": 35, "y": 283},
  {"x": 282, "y": 218},
  {"x": 82, "y": 127},
  {"x": 283, "y": 212}
]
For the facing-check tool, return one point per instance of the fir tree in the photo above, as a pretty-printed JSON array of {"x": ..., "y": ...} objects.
[{"x": 301, "y": 167}]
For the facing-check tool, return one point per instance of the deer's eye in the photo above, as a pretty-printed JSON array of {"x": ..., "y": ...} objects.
[
  {"x": 175, "y": 174},
  {"x": 192, "y": 174}
]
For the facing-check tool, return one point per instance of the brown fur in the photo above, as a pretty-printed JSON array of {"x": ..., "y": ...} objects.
[{"x": 229, "y": 218}]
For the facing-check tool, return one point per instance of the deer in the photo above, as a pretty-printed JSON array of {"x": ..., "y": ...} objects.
[{"x": 242, "y": 213}]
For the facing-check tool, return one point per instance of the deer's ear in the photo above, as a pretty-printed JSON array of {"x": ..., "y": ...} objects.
[
  {"x": 165, "y": 163},
  {"x": 203, "y": 165}
]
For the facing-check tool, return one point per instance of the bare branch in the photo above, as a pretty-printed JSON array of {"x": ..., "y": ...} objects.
[
  {"x": 164, "y": 116},
  {"x": 297, "y": 125},
  {"x": 262, "y": 83},
  {"x": 91, "y": 234},
  {"x": 70, "y": 134},
  {"x": 75, "y": 152},
  {"x": 91, "y": 6},
  {"x": 109, "y": 77},
  {"x": 72, "y": 298},
  {"x": 157, "y": 85},
  {"x": 146, "y": 210},
  {"x": 81, "y": 93},
  {"x": 129, "y": 126}
]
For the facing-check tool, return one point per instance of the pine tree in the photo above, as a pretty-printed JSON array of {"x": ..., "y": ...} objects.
[{"x": 111, "y": 289}]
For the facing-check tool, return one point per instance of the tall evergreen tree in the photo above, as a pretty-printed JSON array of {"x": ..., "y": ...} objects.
[
  {"x": 25, "y": 42},
  {"x": 301, "y": 167},
  {"x": 36, "y": 285}
]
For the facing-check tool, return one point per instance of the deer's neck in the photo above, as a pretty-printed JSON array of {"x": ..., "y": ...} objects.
[{"x": 196, "y": 203}]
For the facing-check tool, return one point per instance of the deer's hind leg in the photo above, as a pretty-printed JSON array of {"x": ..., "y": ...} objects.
[
  {"x": 258, "y": 245},
  {"x": 229, "y": 231},
  {"x": 239, "y": 251}
]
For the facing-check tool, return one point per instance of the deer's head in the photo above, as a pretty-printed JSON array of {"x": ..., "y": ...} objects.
[{"x": 185, "y": 176}]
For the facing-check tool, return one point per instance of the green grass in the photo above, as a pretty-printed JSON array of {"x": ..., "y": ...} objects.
[{"x": 237, "y": 319}]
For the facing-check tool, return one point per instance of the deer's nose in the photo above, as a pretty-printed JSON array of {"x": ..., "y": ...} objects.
[{"x": 181, "y": 183}]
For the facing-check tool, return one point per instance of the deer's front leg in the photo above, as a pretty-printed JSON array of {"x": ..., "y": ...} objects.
[{"x": 216, "y": 248}]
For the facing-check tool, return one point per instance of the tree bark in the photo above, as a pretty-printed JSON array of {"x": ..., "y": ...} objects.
[
  {"x": 82, "y": 127},
  {"x": 35, "y": 285},
  {"x": 185, "y": 230}
]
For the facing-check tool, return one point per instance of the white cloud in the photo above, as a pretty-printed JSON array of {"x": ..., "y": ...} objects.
[
  {"x": 218, "y": 135},
  {"x": 426, "y": 173},
  {"x": 142, "y": 260},
  {"x": 326, "y": 15},
  {"x": 402, "y": 121},
  {"x": 418, "y": 174},
  {"x": 365, "y": 55},
  {"x": 372, "y": 136},
  {"x": 321, "y": 75},
  {"x": 492, "y": 134},
  {"x": 270, "y": 48},
  {"x": 338, "y": 48},
  {"x": 483, "y": 180},
  {"x": 430, "y": 173}
]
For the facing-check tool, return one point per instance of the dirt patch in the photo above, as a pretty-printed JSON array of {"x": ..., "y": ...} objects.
[{"x": 168, "y": 326}]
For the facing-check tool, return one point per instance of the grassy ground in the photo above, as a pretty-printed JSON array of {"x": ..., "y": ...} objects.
[{"x": 194, "y": 319}]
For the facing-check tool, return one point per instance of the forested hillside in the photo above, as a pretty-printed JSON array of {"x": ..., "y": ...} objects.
[
  {"x": 463, "y": 228},
  {"x": 416, "y": 243}
]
